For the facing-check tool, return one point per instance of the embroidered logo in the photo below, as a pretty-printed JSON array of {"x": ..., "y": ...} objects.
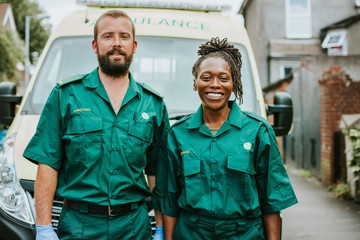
[
  {"x": 82, "y": 109},
  {"x": 184, "y": 152},
  {"x": 247, "y": 146},
  {"x": 145, "y": 116}
]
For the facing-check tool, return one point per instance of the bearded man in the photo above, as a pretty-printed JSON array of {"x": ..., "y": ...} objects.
[{"x": 97, "y": 135}]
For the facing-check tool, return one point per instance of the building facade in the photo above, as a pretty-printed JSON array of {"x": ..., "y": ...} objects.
[{"x": 305, "y": 38}]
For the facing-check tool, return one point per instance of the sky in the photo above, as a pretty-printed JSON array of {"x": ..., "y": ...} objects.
[{"x": 57, "y": 9}]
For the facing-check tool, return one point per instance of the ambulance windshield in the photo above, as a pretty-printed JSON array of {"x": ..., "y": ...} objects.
[{"x": 163, "y": 63}]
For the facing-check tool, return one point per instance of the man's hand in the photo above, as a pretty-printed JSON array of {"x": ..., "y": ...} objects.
[{"x": 45, "y": 233}]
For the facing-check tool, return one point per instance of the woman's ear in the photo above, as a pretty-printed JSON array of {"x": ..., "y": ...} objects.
[{"x": 194, "y": 85}]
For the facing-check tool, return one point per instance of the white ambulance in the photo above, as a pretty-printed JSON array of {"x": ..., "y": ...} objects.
[{"x": 168, "y": 36}]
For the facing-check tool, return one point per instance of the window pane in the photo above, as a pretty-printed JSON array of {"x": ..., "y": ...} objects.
[{"x": 298, "y": 6}]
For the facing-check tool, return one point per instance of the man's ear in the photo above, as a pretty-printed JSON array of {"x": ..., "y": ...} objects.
[{"x": 93, "y": 43}]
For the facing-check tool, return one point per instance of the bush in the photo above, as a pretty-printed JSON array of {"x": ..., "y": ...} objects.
[{"x": 11, "y": 52}]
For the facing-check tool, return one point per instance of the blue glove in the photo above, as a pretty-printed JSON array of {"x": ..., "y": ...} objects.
[
  {"x": 159, "y": 233},
  {"x": 45, "y": 233}
]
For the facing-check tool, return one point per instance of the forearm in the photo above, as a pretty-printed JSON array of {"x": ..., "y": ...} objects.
[
  {"x": 169, "y": 226},
  {"x": 272, "y": 226},
  {"x": 158, "y": 214},
  {"x": 45, "y": 186}
]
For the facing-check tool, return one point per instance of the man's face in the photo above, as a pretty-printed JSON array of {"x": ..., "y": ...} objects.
[{"x": 114, "y": 45}]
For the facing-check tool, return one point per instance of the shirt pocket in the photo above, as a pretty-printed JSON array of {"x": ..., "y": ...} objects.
[
  {"x": 192, "y": 179},
  {"x": 139, "y": 138},
  {"x": 83, "y": 139},
  {"x": 240, "y": 171}
]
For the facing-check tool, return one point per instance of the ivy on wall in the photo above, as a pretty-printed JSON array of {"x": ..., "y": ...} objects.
[{"x": 354, "y": 135}]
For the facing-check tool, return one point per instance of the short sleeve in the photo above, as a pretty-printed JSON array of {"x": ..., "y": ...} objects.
[
  {"x": 46, "y": 145},
  {"x": 167, "y": 184},
  {"x": 159, "y": 141},
  {"x": 274, "y": 187}
]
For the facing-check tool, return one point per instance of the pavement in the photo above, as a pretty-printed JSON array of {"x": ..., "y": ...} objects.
[{"x": 319, "y": 215}]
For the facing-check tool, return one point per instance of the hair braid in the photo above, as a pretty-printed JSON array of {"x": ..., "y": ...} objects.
[{"x": 217, "y": 48}]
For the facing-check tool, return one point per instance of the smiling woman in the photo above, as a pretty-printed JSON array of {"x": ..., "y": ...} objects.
[{"x": 222, "y": 165}]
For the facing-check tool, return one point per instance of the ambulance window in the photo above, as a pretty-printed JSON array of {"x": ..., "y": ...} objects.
[{"x": 163, "y": 63}]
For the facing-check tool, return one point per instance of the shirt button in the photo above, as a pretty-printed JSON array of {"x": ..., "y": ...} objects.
[
  {"x": 215, "y": 211},
  {"x": 82, "y": 129},
  {"x": 112, "y": 172},
  {"x": 115, "y": 148},
  {"x": 215, "y": 139},
  {"x": 214, "y": 161},
  {"x": 215, "y": 185},
  {"x": 248, "y": 169},
  {"x": 116, "y": 125}
]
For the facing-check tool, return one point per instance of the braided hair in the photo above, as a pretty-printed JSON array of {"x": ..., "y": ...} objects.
[{"x": 226, "y": 51}]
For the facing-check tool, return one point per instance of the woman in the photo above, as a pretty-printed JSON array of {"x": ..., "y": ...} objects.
[{"x": 224, "y": 175}]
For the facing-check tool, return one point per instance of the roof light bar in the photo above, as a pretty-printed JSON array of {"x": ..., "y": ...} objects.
[{"x": 183, "y": 5}]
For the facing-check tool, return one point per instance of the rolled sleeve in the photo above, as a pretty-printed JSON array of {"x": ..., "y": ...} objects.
[
  {"x": 275, "y": 190},
  {"x": 46, "y": 145}
]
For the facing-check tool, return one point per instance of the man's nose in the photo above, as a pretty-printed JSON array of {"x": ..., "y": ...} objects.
[{"x": 117, "y": 41}]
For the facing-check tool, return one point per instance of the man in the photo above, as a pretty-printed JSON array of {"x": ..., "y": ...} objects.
[{"x": 96, "y": 135}]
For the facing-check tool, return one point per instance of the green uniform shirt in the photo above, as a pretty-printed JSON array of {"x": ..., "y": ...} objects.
[
  {"x": 100, "y": 156},
  {"x": 235, "y": 174}
]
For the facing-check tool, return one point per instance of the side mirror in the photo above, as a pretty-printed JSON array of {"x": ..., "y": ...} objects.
[
  {"x": 8, "y": 101},
  {"x": 283, "y": 113}
]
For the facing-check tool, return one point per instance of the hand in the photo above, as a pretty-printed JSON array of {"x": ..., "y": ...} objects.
[
  {"x": 45, "y": 233},
  {"x": 159, "y": 233}
]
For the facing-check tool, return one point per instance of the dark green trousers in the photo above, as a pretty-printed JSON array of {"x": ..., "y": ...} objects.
[
  {"x": 194, "y": 227},
  {"x": 132, "y": 225}
]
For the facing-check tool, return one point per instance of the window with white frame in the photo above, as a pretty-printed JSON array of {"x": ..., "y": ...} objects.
[{"x": 298, "y": 18}]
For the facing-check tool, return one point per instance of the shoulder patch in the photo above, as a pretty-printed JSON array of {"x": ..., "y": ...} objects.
[
  {"x": 150, "y": 89},
  {"x": 258, "y": 118},
  {"x": 181, "y": 120},
  {"x": 70, "y": 79}
]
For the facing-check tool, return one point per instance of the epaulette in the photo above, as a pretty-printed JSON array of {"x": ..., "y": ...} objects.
[
  {"x": 258, "y": 118},
  {"x": 70, "y": 79},
  {"x": 181, "y": 120},
  {"x": 150, "y": 89}
]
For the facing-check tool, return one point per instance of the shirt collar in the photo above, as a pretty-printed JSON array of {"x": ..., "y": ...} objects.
[
  {"x": 235, "y": 116},
  {"x": 93, "y": 81}
]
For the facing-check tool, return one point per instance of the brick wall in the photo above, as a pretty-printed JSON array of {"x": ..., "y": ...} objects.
[{"x": 338, "y": 95}]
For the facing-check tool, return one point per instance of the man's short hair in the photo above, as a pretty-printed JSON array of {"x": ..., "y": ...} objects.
[{"x": 113, "y": 14}]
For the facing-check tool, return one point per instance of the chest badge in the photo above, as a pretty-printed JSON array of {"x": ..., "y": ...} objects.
[
  {"x": 247, "y": 145},
  {"x": 145, "y": 116}
]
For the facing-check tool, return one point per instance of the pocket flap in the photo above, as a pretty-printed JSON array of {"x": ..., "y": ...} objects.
[
  {"x": 84, "y": 124},
  {"x": 141, "y": 130},
  {"x": 241, "y": 163},
  {"x": 191, "y": 166}
]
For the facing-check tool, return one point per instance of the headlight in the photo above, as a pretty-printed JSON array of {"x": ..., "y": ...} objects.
[{"x": 13, "y": 199}]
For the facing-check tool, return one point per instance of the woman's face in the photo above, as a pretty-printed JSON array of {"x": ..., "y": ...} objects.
[{"x": 214, "y": 83}]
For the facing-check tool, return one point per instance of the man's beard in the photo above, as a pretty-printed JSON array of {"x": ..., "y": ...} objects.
[{"x": 115, "y": 68}]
